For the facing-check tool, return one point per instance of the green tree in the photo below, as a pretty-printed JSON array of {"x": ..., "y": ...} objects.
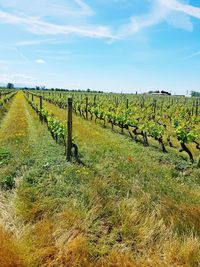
[
  {"x": 195, "y": 94},
  {"x": 10, "y": 86}
]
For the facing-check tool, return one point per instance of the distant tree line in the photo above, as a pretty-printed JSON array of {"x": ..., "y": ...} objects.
[
  {"x": 195, "y": 94},
  {"x": 64, "y": 90},
  {"x": 159, "y": 92}
]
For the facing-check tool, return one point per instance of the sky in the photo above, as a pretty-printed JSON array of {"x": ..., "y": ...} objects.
[{"x": 109, "y": 45}]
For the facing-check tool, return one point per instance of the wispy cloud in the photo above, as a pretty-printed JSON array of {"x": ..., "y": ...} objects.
[
  {"x": 40, "y": 27},
  {"x": 38, "y": 42},
  {"x": 40, "y": 61},
  {"x": 171, "y": 11},
  {"x": 67, "y": 9},
  {"x": 21, "y": 54},
  {"x": 39, "y": 18},
  {"x": 59, "y": 55},
  {"x": 17, "y": 78},
  {"x": 41, "y": 21},
  {"x": 187, "y": 9},
  {"x": 137, "y": 23},
  {"x": 196, "y": 54},
  {"x": 2, "y": 61},
  {"x": 85, "y": 9}
]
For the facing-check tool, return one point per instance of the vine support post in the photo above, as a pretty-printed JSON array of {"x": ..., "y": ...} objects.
[
  {"x": 95, "y": 101},
  {"x": 154, "y": 106},
  {"x": 69, "y": 130},
  {"x": 197, "y": 106},
  {"x": 40, "y": 102},
  {"x": 32, "y": 97},
  {"x": 86, "y": 107},
  {"x": 127, "y": 103},
  {"x": 117, "y": 102},
  {"x": 198, "y": 162},
  {"x": 193, "y": 105}
]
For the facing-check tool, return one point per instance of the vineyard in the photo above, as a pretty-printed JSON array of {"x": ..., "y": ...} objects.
[
  {"x": 171, "y": 122},
  {"x": 5, "y": 96},
  {"x": 121, "y": 190}
]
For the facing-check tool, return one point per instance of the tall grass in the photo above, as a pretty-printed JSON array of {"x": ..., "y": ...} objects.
[{"x": 9, "y": 252}]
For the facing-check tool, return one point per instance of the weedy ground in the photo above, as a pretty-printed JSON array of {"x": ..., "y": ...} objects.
[
  {"x": 3, "y": 110},
  {"x": 128, "y": 206}
]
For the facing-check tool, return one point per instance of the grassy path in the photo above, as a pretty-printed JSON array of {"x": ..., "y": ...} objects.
[
  {"x": 24, "y": 141},
  {"x": 4, "y": 109},
  {"x": 25, "y": 146},
  {"x": 130, "y": 206}
]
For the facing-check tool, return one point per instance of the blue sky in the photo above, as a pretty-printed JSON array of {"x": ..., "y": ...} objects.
[{"x": 109, "y": 45}]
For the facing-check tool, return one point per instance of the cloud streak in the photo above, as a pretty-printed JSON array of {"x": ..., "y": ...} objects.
[
  {"x": 17, "y": 78},
  {"x": 171, "y": 11},
  {"x": 50, "y": 8},
  {"x": 177, "y": 6},
  {"x": 40, "y": 61},
  {"x": 196, "y": 54},
  {"x": 38, "y": 42},
  {"x": 39, "y": 27},
  {"x": 21, "y": 55}
]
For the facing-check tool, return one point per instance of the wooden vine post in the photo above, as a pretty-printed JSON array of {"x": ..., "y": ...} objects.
[
  {"x": 69, "y": 130},
  {"x": 193, "y": 106},
  {"x": 95, "y": 101},
  {"x": 40, "y": 102},
  {"x": 127, "y": 103},
  {"x": 117, "y": 102},
  {"x": 86, "y": 107},
  {"x": 154, "y": 106},
  {"x": 197, "y": 106},
  {"x": 40, "y": 97}
]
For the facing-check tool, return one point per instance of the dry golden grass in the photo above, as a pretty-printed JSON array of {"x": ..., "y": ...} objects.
[
  {"x": 182, "y": 216},
  {"x": 146, "y": 241},
  {"x": 9, "y": 252}
]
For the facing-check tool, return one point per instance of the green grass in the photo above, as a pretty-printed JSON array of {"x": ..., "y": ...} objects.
[
  {"x": 4, "y": 109},
  {"x": 129, "y": 205}
]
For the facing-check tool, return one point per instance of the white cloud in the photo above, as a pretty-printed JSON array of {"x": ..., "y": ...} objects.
[
  {"x": 185, "y": 8},
  {"x": 137, "y": 23},
  {"x": 39, "y": 18},
  {"x": 85, "y": 9},
  {"x": 17, "y": 78},
  {"x": 2, "y": 62},
  {"x": 170, "y": 11},
  {"x": 72, "y": 18},
  {"x": 40, "y": 61},
  {"x": 193, "y": 55},
  {"x": 40, "y": 27},
  {"x": 66, "y": 9},
  {"x": 38, "y": 42}
]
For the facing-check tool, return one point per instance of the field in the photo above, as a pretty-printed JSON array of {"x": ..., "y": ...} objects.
[{"x": 130, "y": 198}]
